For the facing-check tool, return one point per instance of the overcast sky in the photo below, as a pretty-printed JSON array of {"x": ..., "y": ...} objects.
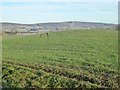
[{"x": 37, "y": 11}]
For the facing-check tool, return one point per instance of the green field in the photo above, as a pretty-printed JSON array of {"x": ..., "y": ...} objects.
[{"x": 69, "y": 59}]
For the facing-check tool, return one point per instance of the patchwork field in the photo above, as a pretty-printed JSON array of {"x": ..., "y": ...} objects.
[{"x": 66, "y": 59}]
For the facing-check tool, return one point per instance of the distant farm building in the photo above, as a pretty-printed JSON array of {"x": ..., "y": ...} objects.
[{"x": 23, "y": 31}]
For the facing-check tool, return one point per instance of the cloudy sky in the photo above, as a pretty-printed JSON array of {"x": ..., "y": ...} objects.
[{"x": 36, "y": 11}]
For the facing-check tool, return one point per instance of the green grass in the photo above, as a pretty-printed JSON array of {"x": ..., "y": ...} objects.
[{"x": 79, "y": 58}]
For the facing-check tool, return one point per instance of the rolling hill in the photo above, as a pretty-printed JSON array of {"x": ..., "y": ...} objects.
[{"x": 58, "y": 25}]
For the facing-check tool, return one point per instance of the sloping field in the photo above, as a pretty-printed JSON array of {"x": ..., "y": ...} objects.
[{"x": 67, "y": 59}]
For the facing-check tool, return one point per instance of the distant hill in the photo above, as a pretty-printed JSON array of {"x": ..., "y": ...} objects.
[{"x": 58, "y": 25}]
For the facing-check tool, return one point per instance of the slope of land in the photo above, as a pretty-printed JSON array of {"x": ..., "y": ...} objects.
[{"x": 69, "y": 59}]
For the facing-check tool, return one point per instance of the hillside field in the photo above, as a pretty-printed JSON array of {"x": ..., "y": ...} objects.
[{"x": 65, "y": 59}]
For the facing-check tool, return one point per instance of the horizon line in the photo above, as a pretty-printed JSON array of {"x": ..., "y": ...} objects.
[{"x": 59, "y": 22}]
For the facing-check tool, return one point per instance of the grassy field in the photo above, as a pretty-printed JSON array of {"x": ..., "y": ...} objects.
[{"x": 69, "y": 59}]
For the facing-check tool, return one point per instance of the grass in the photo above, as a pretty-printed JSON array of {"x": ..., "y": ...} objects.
[{"x": 71, "y": 59}]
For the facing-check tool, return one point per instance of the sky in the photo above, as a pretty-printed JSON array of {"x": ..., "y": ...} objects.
[{"x": 39, "y": 11}]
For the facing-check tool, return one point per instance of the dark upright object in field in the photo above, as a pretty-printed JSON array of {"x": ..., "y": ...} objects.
[{"x": 45, "y": 33}]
